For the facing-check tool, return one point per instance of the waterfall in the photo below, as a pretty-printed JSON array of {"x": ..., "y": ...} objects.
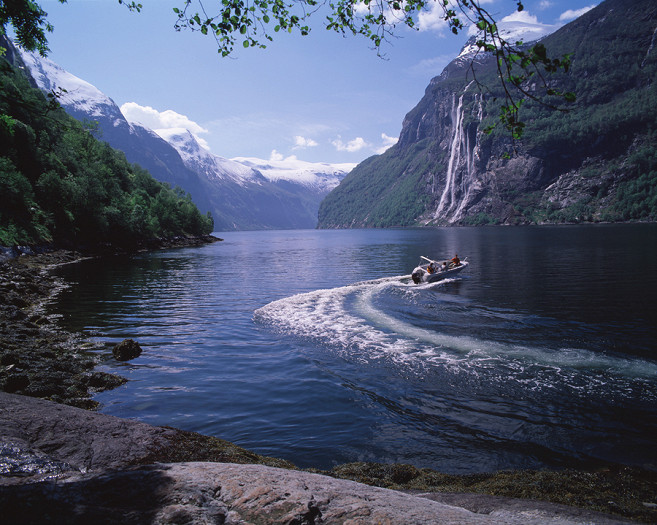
[
  {"x": 454, "y": 156},
  {"x": 460, "y": 171},
  {"x": 472, "y": 152},
  {"x": 652, "y": 44}
]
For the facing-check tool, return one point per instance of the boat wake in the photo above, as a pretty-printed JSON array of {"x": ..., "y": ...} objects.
[{"x": 422, "y": 330}]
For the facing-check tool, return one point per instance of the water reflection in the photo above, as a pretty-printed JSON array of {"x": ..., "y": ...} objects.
[{"x": 542, "y": 355}]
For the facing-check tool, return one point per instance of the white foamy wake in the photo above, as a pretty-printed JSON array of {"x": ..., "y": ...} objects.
[{"x": 348, "y": 319}]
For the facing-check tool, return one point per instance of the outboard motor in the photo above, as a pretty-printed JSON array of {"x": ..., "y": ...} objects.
[{"x": 417, "y": 275}]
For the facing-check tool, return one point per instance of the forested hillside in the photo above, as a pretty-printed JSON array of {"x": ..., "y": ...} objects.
[
  {"x": 595, "y": 162},
  {"x": 60, "y": 185}
]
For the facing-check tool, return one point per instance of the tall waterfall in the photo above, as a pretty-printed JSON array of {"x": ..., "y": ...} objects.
[{"x": 460, "y": 167}]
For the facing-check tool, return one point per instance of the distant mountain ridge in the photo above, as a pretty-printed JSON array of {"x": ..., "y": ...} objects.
[
  {"x": 598, "y": 162},
  {"x": 253, "y": 194}
]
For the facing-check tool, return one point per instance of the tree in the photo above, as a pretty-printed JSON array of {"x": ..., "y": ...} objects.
[{"x": 254, "y": 21}]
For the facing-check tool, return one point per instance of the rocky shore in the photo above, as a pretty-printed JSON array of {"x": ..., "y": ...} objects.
[{"x": 60, "y": 464}]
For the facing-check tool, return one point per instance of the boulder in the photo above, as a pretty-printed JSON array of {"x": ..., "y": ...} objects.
[{"x": 126, "y": 350}]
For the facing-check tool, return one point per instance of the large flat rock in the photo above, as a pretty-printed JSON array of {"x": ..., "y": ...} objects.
[
  {"x": 81, "y": 439},
  {"x": 242, "y": 494},
  {"x": 60, "y": 464}
]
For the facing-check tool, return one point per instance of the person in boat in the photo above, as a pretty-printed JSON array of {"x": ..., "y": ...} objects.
[
  {"x": 443, "y": 268},
  {"x": 431, "y": 268},
  {"x": 456, "y": 261}
]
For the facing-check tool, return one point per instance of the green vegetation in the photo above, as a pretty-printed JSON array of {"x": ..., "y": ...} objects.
[
  {"x": 601, "y": 153},
  {"x": 59, "y": 184},
  {"x": 380, "y": 194}
]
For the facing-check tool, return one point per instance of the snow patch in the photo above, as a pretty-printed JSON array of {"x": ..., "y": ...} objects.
[
  {"x": 79, "y": 95},
  {"x": 321, "y": 176}
]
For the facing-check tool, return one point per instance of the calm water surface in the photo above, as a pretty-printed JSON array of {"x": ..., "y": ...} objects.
[{"x": 314, "y": 346}]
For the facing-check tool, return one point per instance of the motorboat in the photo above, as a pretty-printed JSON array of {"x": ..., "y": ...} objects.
[{"x": 432, "y": 271}]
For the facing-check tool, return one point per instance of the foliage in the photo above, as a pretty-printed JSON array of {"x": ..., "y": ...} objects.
[
  {"x": 376, "y": 195},
  {"x": 29, "y": 21},
  {"x": 231, "y": 20},
  {"x": 59, "y": 184},
  {"x": 377, "y": 20}
]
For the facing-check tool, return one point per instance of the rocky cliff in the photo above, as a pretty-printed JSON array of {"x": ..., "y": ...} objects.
[{"x": 597, "y": 162}]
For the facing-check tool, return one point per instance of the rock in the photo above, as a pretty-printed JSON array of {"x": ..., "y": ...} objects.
[
  {"x": 104, "y": 381},
  {"x": 126, "y": 350},
  {"x": 200, "y": 492},
  {"x": 16, "y": 382},
  {"x": 62, "y": 464},
  {"x": 84, "y": 440}
]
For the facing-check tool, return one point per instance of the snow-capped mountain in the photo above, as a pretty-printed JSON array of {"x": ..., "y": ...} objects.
[
  {"x": 518, "y": 27},
  {"x": 241, "y": 194},
  {"x": 316, "y": 176},
  {"x": 78, "y": 93},
  {"x": 204, "y": 162}
]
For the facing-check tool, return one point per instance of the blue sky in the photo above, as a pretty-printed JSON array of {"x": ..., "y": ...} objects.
[{"x": 320, "y": 98}]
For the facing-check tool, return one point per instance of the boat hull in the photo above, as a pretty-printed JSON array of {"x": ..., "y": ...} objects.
[{"x": 421, "y": 275}]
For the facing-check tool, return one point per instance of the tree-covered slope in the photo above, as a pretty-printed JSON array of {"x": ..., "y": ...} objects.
[
  {"x": 596, "y": 162},
  {"x": 60, "y": 185}
]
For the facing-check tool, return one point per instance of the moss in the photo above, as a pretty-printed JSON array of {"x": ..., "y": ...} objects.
[
  {"x": 190, "y": 446},
  {"x": 624, "y": 491}
]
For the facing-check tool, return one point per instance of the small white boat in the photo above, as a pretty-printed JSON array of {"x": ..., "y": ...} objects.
[{"x": 434, "y": 271}]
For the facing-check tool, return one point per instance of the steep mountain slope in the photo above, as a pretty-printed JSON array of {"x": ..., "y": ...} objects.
[
  {"x": 255, "y": 194},
  {"x": 61, "y": 187},
  {"x": 238, "y": 194},
  {"x": 596, "y": 162}
]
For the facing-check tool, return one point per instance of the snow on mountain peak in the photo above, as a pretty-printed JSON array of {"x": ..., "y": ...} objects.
[
  {"x": 203, "y": 161},
  {"x": 320, "y": 176},
  {"x": 85, "y": 98},
  {"x": 518, "y": 26},
  {"x": 79, "y": 94}
]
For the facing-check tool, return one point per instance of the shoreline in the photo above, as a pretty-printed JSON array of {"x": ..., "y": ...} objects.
[{"x": 40, "y": 359}]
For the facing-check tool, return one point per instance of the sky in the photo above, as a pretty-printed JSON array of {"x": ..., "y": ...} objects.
[{"x": 318, "y": 98}]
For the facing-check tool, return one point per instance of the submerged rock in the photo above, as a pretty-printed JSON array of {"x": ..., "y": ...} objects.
[{"x": 126, "y": 350}]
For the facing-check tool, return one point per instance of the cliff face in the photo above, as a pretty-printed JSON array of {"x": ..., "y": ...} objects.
[{"x": 596, "y": 162}]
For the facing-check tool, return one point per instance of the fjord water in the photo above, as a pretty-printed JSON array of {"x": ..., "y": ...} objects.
[{"x": 314, "y": 346}]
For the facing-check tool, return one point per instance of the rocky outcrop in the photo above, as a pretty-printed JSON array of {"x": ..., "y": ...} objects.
[
  {"x": 243, "y": 494},
  {"x": 60, "y": 464},
  {"x": 37, "y": 357},
  {"x": 126, "y": 350}
]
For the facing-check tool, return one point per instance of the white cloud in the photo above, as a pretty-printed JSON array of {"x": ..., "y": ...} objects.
[
  {"x": 163, "y": 122},
  {"x": 520, "y": 25},
  {"x": 387, "y": 143},
  {"x": 302, "y": 142},
  {"x": 356, "y": 144},
  {"x": 275, "y": 156},
  {"x": 520, "y": 16},
  {"x": 432, "y": 18},
  {"x": 571, "y": 14},
  {"x": 545, "y": 4}
]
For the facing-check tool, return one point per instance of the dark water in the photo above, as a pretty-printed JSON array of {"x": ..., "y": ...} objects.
[{"x": 315, "y": 347}]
